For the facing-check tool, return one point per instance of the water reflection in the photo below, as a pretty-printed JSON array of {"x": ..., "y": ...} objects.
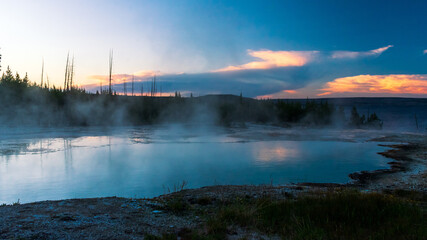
[
  {"x": 273, "y": 151},
  {"x": 117, "y": 165}
]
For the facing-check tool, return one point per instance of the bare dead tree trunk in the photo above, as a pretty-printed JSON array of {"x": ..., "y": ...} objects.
[
  {"x": 155, "y": 87},
  {"x": 133, "y": 82},
  {"x": 71, "y": 75},
  {"x": 66, "y": 71},
  {"x": 152, "y": 86},
  {"x": 110, "y": 73},
  {"x": 67, "y": 81},
  {"x": 41, "y": 82},
  {"x": 124, "y": 88}
]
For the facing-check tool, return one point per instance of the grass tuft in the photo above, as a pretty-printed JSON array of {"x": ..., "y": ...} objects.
[{"x": 177, "y": 205}]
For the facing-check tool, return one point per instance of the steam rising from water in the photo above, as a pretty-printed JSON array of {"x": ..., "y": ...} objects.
[{"x": 145, "y": 162}]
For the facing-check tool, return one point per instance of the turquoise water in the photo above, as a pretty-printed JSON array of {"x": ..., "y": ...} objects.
[{"x": 145, "y": 163}]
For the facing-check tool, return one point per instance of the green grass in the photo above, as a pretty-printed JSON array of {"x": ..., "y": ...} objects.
[
  {"x": 177, "y": 205},
  {"x": 348, "y": 215},
  {"x": 342, "y": 215}
]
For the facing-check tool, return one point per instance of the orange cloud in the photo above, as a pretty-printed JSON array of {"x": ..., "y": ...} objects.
[
  {"x": 391, "y": 84},
  {"x": 147, "y": 73},
  {"x": 116, "y": 78},
  {"x": 350, "y": 54},
  {"x": 96, "y": 80},
  {"x": 281, "y": 94},
  {"x": 290, "y": 91},
  {"x": 274, "y": 59},
  {"x": 119, "y": 78}
]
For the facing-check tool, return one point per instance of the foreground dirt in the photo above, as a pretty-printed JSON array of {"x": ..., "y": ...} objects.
[
  {"x": 101, "y": 218},
  {"x": 123, "y": 218},
  {"x": 119, "y": 218}
]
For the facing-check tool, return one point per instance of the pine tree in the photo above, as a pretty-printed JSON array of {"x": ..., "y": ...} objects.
[
  {"x": 8, "y": 77},
  {"x": 25, "y": 80}
]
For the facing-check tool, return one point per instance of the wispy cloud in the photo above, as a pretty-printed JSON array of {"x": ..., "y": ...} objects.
[
  {"x": 351, "y": 54},
  {"x": 425, "y": 51},
  {"x": 390, "y": 84},
  {"x": 274, "y": 59},
  {"x": 268, "y": 59}
]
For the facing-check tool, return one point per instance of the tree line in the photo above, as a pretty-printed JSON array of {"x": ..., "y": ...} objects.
[{"x": 25, "y": 102}]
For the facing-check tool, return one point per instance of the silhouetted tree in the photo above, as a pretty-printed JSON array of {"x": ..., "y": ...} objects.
[{"x": 355, "y": 119}]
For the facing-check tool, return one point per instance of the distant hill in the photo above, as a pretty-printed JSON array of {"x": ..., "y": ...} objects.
[{"x": 397, "y": 113}]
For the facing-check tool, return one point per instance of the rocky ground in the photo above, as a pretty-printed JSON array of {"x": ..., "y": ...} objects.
[{"x": 178, "y": 213}]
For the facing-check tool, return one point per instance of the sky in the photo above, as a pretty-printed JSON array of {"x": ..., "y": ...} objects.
[{"x": 262, "y": 49}]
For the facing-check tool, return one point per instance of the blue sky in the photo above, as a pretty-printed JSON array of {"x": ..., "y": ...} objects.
[{"x": 262, "y": 48}]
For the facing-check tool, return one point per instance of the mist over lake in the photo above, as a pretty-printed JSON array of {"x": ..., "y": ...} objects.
[{"x": 147, "y": 162}]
